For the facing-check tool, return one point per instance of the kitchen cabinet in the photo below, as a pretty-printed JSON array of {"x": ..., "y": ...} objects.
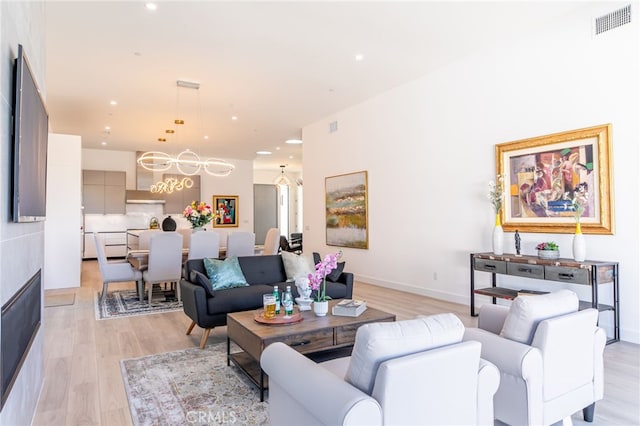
[
  {"x": 103, "y": 192},
  {"x": 115, "y": 244}
]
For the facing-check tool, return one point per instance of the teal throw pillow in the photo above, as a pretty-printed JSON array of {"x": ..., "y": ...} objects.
[{"x": 225, "y": 273}]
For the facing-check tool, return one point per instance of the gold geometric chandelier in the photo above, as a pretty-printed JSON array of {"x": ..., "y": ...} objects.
[{"x": 187, "y": 162}]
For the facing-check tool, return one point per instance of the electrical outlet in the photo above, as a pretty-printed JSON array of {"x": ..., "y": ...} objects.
[{"x": 435, "y": 276}]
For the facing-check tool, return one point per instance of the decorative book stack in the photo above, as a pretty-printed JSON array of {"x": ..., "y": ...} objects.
[{"x": 349, "y": 308}]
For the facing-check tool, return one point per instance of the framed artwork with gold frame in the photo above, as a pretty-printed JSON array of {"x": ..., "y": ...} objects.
[
  {"x": 346, "y": 210},
  {"x": 225, "y": 211},
  {"x": 542, "y": 175}
]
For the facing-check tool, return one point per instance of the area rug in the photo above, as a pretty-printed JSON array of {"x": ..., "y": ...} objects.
[
  {"x": 191, "y": 386},
  {"x": 53, "y": 300},
  {"x": 123, "y": 303}
]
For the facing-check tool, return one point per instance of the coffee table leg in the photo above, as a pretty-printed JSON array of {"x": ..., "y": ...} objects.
[
  {"x": 228, "y": 351},
  {"x": 261, "y": 385}
]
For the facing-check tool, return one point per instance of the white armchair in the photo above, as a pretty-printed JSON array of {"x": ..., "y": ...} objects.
[
  {"x": 550, "y": 357},
  {"x": 406, "y": 372}
]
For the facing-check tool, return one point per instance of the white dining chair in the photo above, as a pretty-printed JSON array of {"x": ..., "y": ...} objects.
[
  {"x": 204, "y": 244},
  {"x": 165, "y": 261},
  {"x": 241, "y": 243},
  {"x": 144, "y": 237},
  {"x": 113, "y": 271},
  {"x": 271, "y": 242}
]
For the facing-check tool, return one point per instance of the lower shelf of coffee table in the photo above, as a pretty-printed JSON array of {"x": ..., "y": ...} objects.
[{"x": 252, "y": 369}]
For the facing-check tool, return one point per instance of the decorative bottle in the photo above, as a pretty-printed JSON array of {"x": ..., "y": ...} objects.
[
  {"x": 579, "y": 246},
  {"x": 287, "y": 302},
  {"x": 498, "y": 237},
  {"x": 276, "y": 294}
]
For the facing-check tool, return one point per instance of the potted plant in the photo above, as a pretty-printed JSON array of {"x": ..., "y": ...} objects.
[
  {"x": 548, "y": 250},
  {"x": 318, "y": 283},
  {"x": 198, "y": 214}
]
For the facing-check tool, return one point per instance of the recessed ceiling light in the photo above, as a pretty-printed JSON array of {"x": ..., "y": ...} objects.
[
  {"x": 293, "y": 141},
  {"x": 113, "y": 103},
  {"x": 277, "y": 148},
  {"x": 103, "y": 143},
  {"x": 107, "y": 128},
  {"x": 359, "y": 57},
  {"x": 291, "y": 157},
  {"x": 206, "y": 136},
  {"x": 151, "y": 6},
  {"x": 234, "y": 117},
  {"x": 263, "y": 152}
]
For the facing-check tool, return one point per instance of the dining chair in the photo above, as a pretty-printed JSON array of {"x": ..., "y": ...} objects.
[
  {"x": 165, "y": 261},
  {"x": 241, "y": 243},
  {"x": 271, "y": 242},
  {"x": 114, "y": 271},
  {"x": 204, "y": 244},
  {"x": 144, "y": 237}
]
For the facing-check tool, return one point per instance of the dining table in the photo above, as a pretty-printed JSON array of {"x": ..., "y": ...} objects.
[{"x": 139, "y": 259}]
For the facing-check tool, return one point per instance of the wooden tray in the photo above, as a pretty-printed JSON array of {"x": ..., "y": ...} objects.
[{"x": 279, "y": 319}]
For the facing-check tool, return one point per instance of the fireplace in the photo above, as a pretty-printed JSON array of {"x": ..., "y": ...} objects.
[{"x": 20, "y": 323}]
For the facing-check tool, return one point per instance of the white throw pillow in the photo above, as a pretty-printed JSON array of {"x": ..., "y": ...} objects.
[
  {"x": 297, "y": 266},
  {"x": 379, "y": 342},
  {"x": 526, "y": 312}
]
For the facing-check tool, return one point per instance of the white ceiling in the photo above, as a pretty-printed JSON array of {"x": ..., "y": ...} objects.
[{"x": 277, "y": 66}]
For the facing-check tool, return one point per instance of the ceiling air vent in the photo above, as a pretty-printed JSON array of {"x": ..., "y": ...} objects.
[
  {"x": 612, "y": 20},
  {"x": 333, "y": 126}
]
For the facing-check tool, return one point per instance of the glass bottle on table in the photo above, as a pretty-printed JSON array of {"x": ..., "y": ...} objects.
[
  {"x": 276, "y": 294},
  {"x": 287, "y": 302}
]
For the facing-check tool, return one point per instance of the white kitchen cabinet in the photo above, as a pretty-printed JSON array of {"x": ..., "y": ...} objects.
[{"x": 115, "y": 244}]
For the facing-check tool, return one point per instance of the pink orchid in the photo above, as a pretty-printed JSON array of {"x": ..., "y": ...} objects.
[{"x": 318, "y": 280}]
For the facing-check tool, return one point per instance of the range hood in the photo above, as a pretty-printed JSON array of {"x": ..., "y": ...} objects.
[{"x": 143, "y": 197}]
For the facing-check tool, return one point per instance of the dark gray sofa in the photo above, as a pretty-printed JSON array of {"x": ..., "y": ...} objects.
[{"x": 209, "y": 309}]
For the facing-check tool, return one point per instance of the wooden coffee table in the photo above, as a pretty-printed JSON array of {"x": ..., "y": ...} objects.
[{"x": 312, "y": 335}]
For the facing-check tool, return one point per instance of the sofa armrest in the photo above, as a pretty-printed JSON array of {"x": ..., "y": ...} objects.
[
  {"x": 303, "y": 392},
  {"x": 194, "y": 301},
  {"x": 492, "y": 317},
  {"x": 521, "y": 377},
  {"x": 488, "y": 382},
  {"x": 346, "y": 278},
  {"x": 511, "y": 357}
]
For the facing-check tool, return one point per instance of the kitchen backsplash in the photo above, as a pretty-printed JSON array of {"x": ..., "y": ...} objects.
[{"x": 137, "y": 216}]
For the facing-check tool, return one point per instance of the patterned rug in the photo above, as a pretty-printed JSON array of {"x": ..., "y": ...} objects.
[
  {"x": 122, "y": 303},
  {"x": 191, "y": 386}
]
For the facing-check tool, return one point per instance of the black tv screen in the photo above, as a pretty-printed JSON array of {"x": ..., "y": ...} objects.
[{"x": 30, "y": 137}]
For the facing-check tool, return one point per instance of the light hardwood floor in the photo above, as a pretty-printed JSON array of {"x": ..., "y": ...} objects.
[{"x": 83, "y": 384}]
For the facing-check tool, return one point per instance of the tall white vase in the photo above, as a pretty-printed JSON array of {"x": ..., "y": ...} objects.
[
  {"x": 498, "y": 237},
  {"x": 579, "y": 245}
]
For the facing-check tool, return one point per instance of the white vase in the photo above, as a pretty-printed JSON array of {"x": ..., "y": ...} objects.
[
  {"x": 579, "y": 245},
  {"x": 498, "y": 237},
  {"x": 321, "y": 308},
  {"x": 197, "y": 229}
]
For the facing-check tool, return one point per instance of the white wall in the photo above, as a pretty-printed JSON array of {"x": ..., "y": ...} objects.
[
  {"x": 62, "y": 230},
  {"x": 21, "y": 244},
  {"x": 428, "y": 147}
]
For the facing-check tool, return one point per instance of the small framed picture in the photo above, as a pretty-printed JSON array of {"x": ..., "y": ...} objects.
[{"x": 225, "y": 211}]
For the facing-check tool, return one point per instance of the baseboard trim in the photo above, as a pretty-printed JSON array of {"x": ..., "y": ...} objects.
[{"x": 440, "y": 295}]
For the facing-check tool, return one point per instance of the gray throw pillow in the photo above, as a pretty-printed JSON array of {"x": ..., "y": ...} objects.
[
  {"x": 335, "y": 274},
  {"x": 201, "y": 279}
]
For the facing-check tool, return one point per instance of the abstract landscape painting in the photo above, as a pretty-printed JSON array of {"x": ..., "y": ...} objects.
[{"x": 346, "y": 210}]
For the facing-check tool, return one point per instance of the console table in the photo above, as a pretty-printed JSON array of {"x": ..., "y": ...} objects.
[{"x": 593, "y": 273}]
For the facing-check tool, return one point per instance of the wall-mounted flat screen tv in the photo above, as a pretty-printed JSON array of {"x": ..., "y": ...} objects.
[{"x": 30, "y": 137}]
